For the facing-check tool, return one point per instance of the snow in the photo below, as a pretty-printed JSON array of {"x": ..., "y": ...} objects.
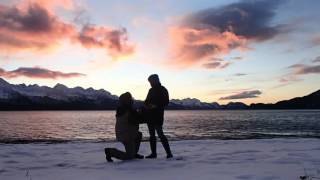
[{"x": 266, "y": 159}]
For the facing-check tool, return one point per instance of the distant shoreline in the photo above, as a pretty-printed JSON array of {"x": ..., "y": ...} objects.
[
  {"x": 3, "y": 110},
  {"x": 61, "y": 141}
]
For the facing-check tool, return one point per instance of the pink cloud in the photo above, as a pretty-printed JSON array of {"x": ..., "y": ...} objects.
[
  {"x": 114, "y": 40},
  {"x": 33, "y": 28}
]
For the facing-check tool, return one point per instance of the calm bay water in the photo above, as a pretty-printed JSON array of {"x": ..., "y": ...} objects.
[{"x": 34, "y": 126}]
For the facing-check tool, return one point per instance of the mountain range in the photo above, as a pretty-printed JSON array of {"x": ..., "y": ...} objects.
[{"x": 60, "y": 97}]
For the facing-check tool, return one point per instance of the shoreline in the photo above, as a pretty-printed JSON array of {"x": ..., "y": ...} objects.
[
  {"x": 61, "y": 141},
  {"x": 246, "y": 109}
]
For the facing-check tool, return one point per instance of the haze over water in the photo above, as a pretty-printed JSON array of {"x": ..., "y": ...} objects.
[{"x": 53, "y": 126}]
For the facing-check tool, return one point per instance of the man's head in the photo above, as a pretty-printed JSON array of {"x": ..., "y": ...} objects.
[
  {"x": 154, "y": 80},
  {"x": 126, "y": 100}
]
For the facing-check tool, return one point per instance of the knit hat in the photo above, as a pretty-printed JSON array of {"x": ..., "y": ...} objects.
[{"x": 154, "y": 78}]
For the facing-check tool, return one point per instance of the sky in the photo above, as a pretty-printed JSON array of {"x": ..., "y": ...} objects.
[{"x": 215, "y": 51}]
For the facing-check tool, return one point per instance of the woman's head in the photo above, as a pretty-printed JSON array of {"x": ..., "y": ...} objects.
[{"x": 126, "y": 100}]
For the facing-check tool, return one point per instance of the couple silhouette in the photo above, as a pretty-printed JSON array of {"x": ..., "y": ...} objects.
[{"x": 128, "y": 119}]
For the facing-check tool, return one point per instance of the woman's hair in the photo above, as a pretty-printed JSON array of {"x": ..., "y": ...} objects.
[{"x": 125, "y": 100}]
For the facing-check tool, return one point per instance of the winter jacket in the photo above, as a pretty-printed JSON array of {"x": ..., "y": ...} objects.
[
  {"x": 127, "y": 125},
  {"x": 159, "y": 97}
]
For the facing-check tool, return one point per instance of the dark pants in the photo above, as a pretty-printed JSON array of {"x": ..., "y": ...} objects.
[
  {"x": 132, "y": 148},
  {"x": 153, "y": 128}
]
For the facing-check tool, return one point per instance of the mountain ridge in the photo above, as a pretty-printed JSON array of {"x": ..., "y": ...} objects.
[{"x": 60, "y": 97}]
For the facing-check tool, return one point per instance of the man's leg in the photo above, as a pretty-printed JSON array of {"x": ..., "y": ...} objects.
[
  {"x": 130, "y": 149},
  {"x": 113, "y": 152},
  {"x": 137, "y": 146},
  {"x": 138, "y": 141},
  {"x": 153, "y": 141},
  {"x": 164, "y": 140}
]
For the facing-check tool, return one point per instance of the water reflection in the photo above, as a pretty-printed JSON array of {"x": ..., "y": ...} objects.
[{"x": 99, "y": 125}]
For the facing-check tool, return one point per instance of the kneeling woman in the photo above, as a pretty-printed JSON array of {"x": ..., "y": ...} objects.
[{"x": 127, "y": 130}]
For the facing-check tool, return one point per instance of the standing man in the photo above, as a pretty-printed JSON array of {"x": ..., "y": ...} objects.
[{"x": 157, "y": 99}]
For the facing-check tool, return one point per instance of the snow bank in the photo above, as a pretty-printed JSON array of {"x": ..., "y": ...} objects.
[{"x": 198, "y": 159}]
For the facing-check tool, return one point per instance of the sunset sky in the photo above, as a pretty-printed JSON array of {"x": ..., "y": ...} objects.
[{"x": 216, "y": 51}]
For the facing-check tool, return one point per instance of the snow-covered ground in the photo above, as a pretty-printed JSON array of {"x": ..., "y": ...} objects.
[{"x": 268, "y": 159}]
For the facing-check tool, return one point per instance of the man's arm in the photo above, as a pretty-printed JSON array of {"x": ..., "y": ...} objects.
[
  {"x": 149, "y": 102},
  {"x": 148, "y": 99},
  {"x": 166, "y": 102},
  {"x": 164, "y": 97},
  {"x": 134, "y": 117}
]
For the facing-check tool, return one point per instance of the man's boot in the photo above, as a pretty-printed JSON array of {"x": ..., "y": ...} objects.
[{"x": 108, "y": 154}]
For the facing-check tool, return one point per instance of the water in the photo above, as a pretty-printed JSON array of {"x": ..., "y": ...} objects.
[{"x": 54, "y": 126}]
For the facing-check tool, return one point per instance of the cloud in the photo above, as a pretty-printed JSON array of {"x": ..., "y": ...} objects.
[
  {"x": 315, "y": 41},
  {"x": 297, "y": 70},
  {"x": 237, "y": 58},
  {"x": 217, "y": 31},
  {"x": 301, "y": 69},
  {"x": 289, "y": 79},
  {"x": 240, "y": 74},
  {"x": 316, "y": 60},
  {"x": 115, "y": 40},
  {"x": 194, "y": 45},
  {"x": 243, "y": 95},
  {"x": 51, "y": 5},
  {"x": 37, "y": 72},
  {"x": 216, "y": 63},
  {"x": 34, "y": 26}
]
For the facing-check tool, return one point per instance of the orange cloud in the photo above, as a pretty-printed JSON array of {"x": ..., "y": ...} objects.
[
  {"x": 191, "y": 45},
  {"x": 214, "y": 32},
  {"x": 34, "y": 26}
]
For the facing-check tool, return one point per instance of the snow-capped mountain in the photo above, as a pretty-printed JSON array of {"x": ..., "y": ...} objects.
[
  {"x": 5, "y": 89},
  {"x": 23, "y": 96},
  {"x": 60, "y": 97},
  {"x": 58, "y": 92},
  {"x": 193, "y": 103}
]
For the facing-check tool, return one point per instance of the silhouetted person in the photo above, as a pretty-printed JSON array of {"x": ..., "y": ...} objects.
[
  {"x": 127, "y": 130},
  {"x": 157, "y": 99}
]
